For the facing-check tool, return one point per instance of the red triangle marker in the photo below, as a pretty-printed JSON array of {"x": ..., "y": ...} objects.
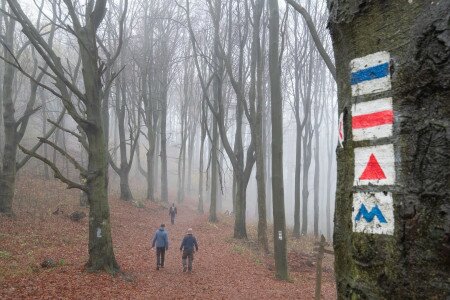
[{"x": 373, "y": 170}]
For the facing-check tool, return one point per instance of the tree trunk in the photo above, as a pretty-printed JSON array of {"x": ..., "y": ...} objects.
[
  {"x": 279, "y": 221},
  {"x": 8, "y": 172},
  {"x": 123, "y": 169},
  {"x": 150, "y": 156},
  {"x": 214, "y": 172},
  {"x": 316, "y": 181},
  {"x": 410, "y": 260},
  {"x": 191, "y": 143},
  {"x": 156, "y": 158},
  {"x": 164, "y": 187},
  {"x": 330, "y": 140},
  {"x": 240, "y": 229},
  {"x": 217, "y": 91},
  {"x": 298, "y": 157},
  {"x": 2, "y": 65},
  {"x": 305, "y": 180},
  {"x": 44, "y": 132},
  {"x": 299, "y": 130},
  {"x": 125, "y": 191},
  {"x": 259, "y": 146},
  {"x": 101, "y": 254},
  {"x": 202, "y": 146}
]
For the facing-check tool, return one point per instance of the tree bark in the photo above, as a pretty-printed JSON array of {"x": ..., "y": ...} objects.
[
  {"x": 258, "y": 70},
  {"x": 412, "y": 262},
  {"x": 279, "y": 221},
  {"x": 8, "y": 172},
  {"x": 316, "y": 181},
  {"x": 101, "y": 254},
  {"x": 217, "y": 91},
  {"x": 164, "y": 186},
  {"x": 202, "y": 146}
]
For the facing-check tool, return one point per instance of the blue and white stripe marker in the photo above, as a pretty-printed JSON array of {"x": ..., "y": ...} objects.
[{"x": 370, "y": 74}]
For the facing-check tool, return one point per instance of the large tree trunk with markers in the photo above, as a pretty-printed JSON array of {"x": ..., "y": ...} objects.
[
  {"x": 279, "y": 220},
  {"x": 101, "y": 254},
  {"x": 407, "y": 253}
]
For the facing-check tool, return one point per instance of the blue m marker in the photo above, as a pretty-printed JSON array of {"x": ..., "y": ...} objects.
[{"x": 370, "y": 215}]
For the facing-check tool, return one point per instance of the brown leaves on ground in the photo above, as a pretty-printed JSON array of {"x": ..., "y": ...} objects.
[{"x": 223, "y": 268}]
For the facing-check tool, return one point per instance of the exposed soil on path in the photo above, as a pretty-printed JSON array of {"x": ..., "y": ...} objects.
[{"x": 223, "y": 268}]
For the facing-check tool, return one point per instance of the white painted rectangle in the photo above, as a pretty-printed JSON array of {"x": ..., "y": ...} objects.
[
  {"x": 374, "y": 165},
  {"x": 369, "y": 107},
  {"x": 369, "y": 60},
  {"x": 373, "y": 213},
  {"x": 373, "y": 86},
  {"x": 372, "y": 132}
]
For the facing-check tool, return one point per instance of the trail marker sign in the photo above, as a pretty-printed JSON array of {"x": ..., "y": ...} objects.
[
  {"x": 370, "y": 74},
  {"x": 341, "y": 136},
  {"x": 373, "y": 213},
  {"x": 374, "y": 165},
  {"x": 372, "y": 120}
]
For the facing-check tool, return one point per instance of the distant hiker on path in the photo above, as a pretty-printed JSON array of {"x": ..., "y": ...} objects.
[
  {"x": 161, "y": 241},
  {"x": 187, "y": 246},
  {"x": 172, "y": 213}
]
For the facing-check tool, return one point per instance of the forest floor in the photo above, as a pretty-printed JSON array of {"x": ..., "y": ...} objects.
[{"x": 224, "y": 268}]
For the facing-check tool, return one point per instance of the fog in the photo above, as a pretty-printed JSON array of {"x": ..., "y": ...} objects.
[{"x": 157, "y": 52}]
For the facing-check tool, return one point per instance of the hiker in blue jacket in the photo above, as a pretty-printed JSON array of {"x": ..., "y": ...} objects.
[
  {"x": 161, "y": 241},
  {"x": 187, "y": 246}
]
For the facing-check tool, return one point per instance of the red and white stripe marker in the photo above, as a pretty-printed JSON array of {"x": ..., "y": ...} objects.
[{"x": 372, "y": 120}]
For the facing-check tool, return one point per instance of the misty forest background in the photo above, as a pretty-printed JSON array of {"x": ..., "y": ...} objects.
[
  {"x": 228, "y": 103},
  {"x": 158, "y": 119}
]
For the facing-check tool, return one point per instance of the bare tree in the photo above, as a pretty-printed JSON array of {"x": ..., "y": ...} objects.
[
  {"x": 14, "y": 130},
  {"x": 88, "y": 117},
  {"x": 125, "y": 112}
]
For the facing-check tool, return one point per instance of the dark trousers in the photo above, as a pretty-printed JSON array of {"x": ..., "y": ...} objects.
[
  {"x": 160, "y": 252},
  {"x": 188, "y": 256},
  {"x": 172, "y": 219}
]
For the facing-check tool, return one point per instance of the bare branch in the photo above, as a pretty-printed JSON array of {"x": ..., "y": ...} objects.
[
  {"x": 77, "y": 166},
  {"x": 80, "y": 138},
  {"x": 36, "y": 147},
  {"x": 57, "y": 172},
  {"x": 315, "y": 36}
]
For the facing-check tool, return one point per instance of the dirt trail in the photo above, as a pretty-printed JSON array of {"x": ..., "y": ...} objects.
[{"x": 222, "y": 269}]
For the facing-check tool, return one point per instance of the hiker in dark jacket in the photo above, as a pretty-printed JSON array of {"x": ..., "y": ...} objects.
[
  {"x": 161, "y": 241},
  {"x": 187, "y": 246},
  {"x": 172, "y": 213}
]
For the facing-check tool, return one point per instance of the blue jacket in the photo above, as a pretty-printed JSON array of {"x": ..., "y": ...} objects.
[
  {"x": 188, "y": 243},
  {"x": 161, "y": 239}
]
